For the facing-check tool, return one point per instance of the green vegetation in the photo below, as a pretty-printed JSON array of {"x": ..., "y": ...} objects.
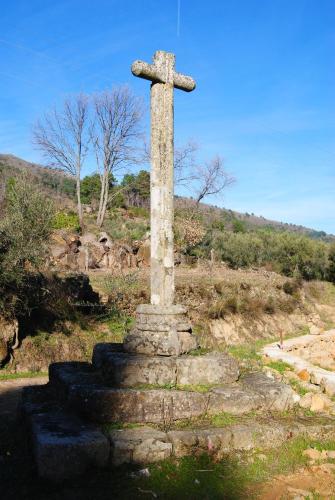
[
  {"x": 231, "y": 477},
  {"x": 199, "y": 352},
  {"x": 66, "y": 220},
  {"x": 296, "y": 385},
  {"x": 279, "y": 366},
  {"x": 247, "y": 351},
  {"x": 24, "y": 232},
  {"x": 222, "y": 419},
  {"x": 287, "y": 253},
  {"x": 5, "y": 375},
  {"x": 331, "y": 267}
]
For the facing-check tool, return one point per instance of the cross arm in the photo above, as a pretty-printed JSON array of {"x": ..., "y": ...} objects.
[
  {"x": 152, "y": 73},
  {"x": 146, "y": 71},
  {"x": 183, "y": 82}
]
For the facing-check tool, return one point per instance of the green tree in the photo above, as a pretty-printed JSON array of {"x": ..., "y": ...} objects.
[
  {"x": 331, "y": 263},
  {"x": 136, "y": 190},
  {"x": 239, "y": 226},
  {"x": 24, "y": 232}
]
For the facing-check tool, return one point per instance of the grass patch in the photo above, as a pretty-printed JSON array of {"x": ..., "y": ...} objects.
[
  {"x": 4, "y": 375},
  {"x": 195, "y": 388},
  {"x": 174, "y": 387},
  {"x": 248, "y": 351},
  {"x": 295, "y": 384},
  {"x": 199, "y": 352},
  {"x": 279, "y": 366},
  {"x": 223, "y": 419},
  {"x": 234, "y": 478}
]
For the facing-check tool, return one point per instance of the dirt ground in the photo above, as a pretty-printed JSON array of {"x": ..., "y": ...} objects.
[
  {"x": 314, "y": 482},
  {"x": 10, "y": 394}
]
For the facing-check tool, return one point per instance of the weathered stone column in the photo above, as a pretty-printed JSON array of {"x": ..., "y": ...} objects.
[
  {"x": 161, "y": 327},
  {"x": 162, "y": 252}
]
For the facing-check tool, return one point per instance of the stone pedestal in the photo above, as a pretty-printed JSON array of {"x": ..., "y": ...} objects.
[{"x": 161, "y": 331}]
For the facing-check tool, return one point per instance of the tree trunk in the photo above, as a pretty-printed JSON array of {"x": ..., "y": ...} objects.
[
  {"x": 102, "y": 197},
  {"x": 79, "y": 208},
  {"x": 105, "y": 201}
]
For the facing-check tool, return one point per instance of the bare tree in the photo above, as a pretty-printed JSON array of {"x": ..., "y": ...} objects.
[
  {"x": 211, "y": 178},
  {"x": 184, "y": 163},
  {"x": 115, "y": 131},
  {"x": 202, "y": 180},
  {"x": 62, "y": 136}
]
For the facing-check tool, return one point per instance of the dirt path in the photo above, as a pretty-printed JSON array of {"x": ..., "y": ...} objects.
[{"x": 10, "y": 393}]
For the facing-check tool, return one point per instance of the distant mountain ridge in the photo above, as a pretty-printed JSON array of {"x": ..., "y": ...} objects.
[{"x": 61, "y": 187}]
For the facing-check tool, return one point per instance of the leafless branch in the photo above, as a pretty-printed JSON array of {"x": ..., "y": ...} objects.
[
  {"x": 62, "y": 137},
  {"x": 211, "y": 178},
  {"x": 115, "y": 132}
]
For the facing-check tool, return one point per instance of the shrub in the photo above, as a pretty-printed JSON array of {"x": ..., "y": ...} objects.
[
  {"x": 331, "y": 263},
  {"x": 66, "y": 220},
  {"x": 287, "y": 253},
  {"x": 188, "y": 233},
  {"x": 24, "y": 233},
  {"x": 292, "y": 287}
]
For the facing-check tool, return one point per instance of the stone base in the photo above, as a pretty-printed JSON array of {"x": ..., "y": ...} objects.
[
  {"x": 129, "y": 370},
  {"x": 161, "y": 330},
  {"x": 67, "y": 446},
  {"x": 100, "y": 403}
]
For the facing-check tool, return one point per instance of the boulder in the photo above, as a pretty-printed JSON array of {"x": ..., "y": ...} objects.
[
  {"x": 328, "y": 386},
  {"x": 9, "y": 331},
  {"x": 304, "y": 375},
  {"x": 143, "y": 254},
  {"x": 306, "y": 400},
  {"x": 320, "y": 403}
]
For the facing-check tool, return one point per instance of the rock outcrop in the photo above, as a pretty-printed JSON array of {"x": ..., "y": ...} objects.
[
  {"x": 81, "y": 253},
  {"x": 9, "y": 338}
]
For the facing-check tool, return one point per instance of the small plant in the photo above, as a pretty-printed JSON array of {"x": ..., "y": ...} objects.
[
  {"x": 291, "y": 287},
  {"x": 66, "y": 220},
  {"x": 299, "y": 389},
  {"x": 223, "y": 419},
  {"x": 280, "y": 366}
]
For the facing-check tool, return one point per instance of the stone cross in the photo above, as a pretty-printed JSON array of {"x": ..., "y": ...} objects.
[{"x": 164, "y": 78}]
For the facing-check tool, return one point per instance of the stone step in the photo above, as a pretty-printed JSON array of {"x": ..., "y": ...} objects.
[
  {"x": 87, "y": 394},
  {"x": 161, "y": 406},
  {"x": 83, "y": 389},
  {"x": 105, "y": 404},
  {"x": 63, "y": 375},
  {"x": 126, "y": 370},
  {"x": 65, "y": 446},
  {"x": 144, "y": 445}
]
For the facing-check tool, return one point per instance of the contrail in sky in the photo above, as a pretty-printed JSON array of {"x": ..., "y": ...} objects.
[{"x": 28, "y": 49}]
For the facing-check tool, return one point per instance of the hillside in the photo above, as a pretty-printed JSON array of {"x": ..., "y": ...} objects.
[
  {"x": 62, "y": 188},
  {"x": 54, "y": 183}
]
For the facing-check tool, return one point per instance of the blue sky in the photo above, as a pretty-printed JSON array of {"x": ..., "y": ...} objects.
[{"x": 265, "y": 97}]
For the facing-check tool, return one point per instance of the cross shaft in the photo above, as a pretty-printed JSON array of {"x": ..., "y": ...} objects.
[{"x": 164, "y": 79}]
